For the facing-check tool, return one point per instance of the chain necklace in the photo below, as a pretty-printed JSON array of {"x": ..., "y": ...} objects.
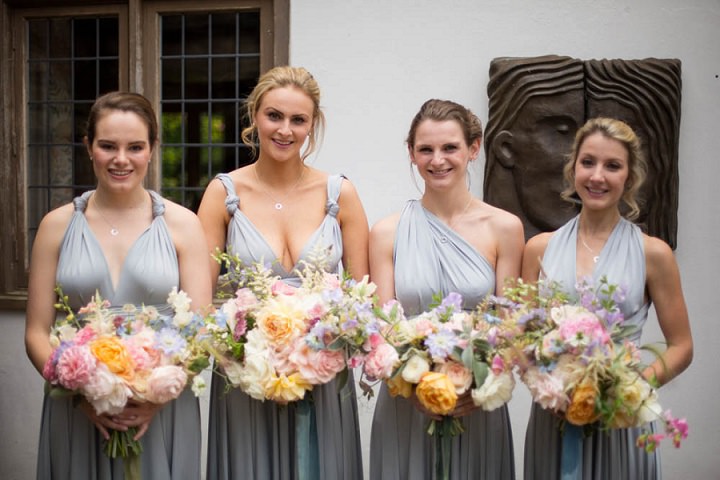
[
  {"x": 592, "y": 252},
  {"x": 113, "y": 229},
  {"x": 451, "y": 223},
  {"x": 279, "y": 203}
]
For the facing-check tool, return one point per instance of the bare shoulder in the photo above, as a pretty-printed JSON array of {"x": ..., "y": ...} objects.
[
  {"x": 504, "y": 222},
  {"x": 538, "y": 243},
  {"x": 58, "y": 219},
  {"x": 658, "y": 254},
  {"x": 178, "y": 216},
  {"x": 384, "y": 229}
]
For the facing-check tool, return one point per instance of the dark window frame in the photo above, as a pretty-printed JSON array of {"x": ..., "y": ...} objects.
[{"x": 138, "y": 72}]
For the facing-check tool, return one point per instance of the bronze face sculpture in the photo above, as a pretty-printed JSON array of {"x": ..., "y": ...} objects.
[{"x": 535, "y": 106}]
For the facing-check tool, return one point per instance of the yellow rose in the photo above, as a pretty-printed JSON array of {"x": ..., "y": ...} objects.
[
  {"x": 280, "y": 322},
  {"x": 582, "y": 405},
  {"x": 284, "y": 389},
  {"x": 398, "y": 386},
  {"x": 111, "y": 352},
  {"x": 436, "y": 392}
]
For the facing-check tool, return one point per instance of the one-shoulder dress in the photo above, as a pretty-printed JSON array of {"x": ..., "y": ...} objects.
[
  {"x": 430, "y": 258},
  {"x": 251, "y": 439},
  {"x": 604, "y": 455},
  {"x": 70, "y": 444}
]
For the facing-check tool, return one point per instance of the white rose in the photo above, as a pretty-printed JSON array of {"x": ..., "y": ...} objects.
[
  {"x": 254, "y": 376},
  {"x": 495, "y": 392},
  {"x": 650, "y": 409},
  {"x": 106, "y": 392},
  {"x": 415, "y": 368}
]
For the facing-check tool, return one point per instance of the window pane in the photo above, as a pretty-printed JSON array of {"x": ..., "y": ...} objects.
[
  {"x": 249, "y": 33},
  {"x": 225, "y": 116},
  {"x": 223, "y": 34},
  {"x": 59, "y": 126},
  {"x": 85, "y": 38},
  {"x": 38, "y": 39},
  {"x": 85, "y": 79},
  {"x": 172, "y": 79},
  {"x": 224, "y": 81},
  {"x": 60, "y": 87},
  {"x": 171, "y": 35},
  {"x": 109, "y": 34},
  {"x": 196, "y": 78},
  {"x": 196, "y": 34},
  {"x": 109, "y": 76},
  {"x": 37, "y": 81},
  {"x": 60, "y": 36}
]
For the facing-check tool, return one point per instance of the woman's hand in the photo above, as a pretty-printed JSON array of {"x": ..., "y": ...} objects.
[
  {"x": 137, "y": 414},
  {"x": 102, "y": 422},
  {"x": 464, "y": 406}
]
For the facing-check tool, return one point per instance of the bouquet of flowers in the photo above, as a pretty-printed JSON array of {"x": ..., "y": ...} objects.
[
  {"x": 114, "y": 355},
  {"x": 575, "y": 362},
  {"x": 276, "y": 341},
  {"x": 441, "y": 354}
]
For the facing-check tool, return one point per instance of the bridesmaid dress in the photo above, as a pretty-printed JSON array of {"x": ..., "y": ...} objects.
[
  {"x": 260, "y": 440},
  {"x": 70, "y": 444},
  {"x": 431, "y": 258},
  {"x": 610, "y": 454}
]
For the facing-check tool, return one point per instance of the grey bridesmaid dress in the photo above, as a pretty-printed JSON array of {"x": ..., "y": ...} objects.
[
  {"x": 604, "y": 455},
  {"x": 70, "y": 445},
  {"x": 250, "y": 439},
  {"x": 431, "y": 258}
]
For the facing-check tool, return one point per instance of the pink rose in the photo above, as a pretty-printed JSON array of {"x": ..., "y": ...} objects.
[
  {"x": 424, "y": 326},
  {"x": 166, "y": 383},
  {"x": 282, "y": 288},
  {"x": 380, "y": 362},
  {"x": 49, "y": 372},
  {"x": 245, "y": 299},
  {"x": 318, "y": 366},
  {"x": 458, "y": 374},
  {"x": 75, "y": 367},
  {"x": 84, "y": 335}
]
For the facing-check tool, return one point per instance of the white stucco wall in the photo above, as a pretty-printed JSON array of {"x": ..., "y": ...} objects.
[{"x": 378, "y": 60}]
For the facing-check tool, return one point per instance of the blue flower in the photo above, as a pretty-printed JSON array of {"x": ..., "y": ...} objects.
[
  {"x": 441, "y": 344},
  {"x": 170, "y": 341}
]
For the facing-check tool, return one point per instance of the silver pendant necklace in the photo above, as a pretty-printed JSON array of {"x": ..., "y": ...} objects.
[
  {"x": 113, "y": 229},
  {"x": 279, "y": 203},
  {"x": 592, "y": 252}
]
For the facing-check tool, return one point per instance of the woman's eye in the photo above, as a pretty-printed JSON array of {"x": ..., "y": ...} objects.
[
  {"x": 274, "y": 116},
  {"x": 298, "y": 120}
]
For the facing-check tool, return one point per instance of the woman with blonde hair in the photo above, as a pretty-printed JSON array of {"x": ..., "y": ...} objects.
[
  {"x": 279, "y": 210},
  {"x": 606, "y": 168}
]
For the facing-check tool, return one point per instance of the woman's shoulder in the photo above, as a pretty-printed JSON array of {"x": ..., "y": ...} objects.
[
  {"x": 502, "y": 220},
  {"x": 538, "y": 242},
  {"x": 656, "y": 249},
  {"x": 178, "y": 215},
  {"x": 58, "y": 217}
]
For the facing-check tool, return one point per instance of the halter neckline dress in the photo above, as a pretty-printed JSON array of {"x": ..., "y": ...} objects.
[
  {"x": 70, "y": 445},
  {"x": 252, "y": 439},
  {"x": 603, "y": 455}
]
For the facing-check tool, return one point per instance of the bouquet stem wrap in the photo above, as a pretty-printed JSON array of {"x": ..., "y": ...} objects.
[
  {"x": 572, "y": 442},
  {"x": 306, "y": 440}
]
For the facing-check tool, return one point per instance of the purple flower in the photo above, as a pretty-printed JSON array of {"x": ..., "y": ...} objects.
[
  {"x": 169, "y": 341},
  {"x": 441, "y": 344}
]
